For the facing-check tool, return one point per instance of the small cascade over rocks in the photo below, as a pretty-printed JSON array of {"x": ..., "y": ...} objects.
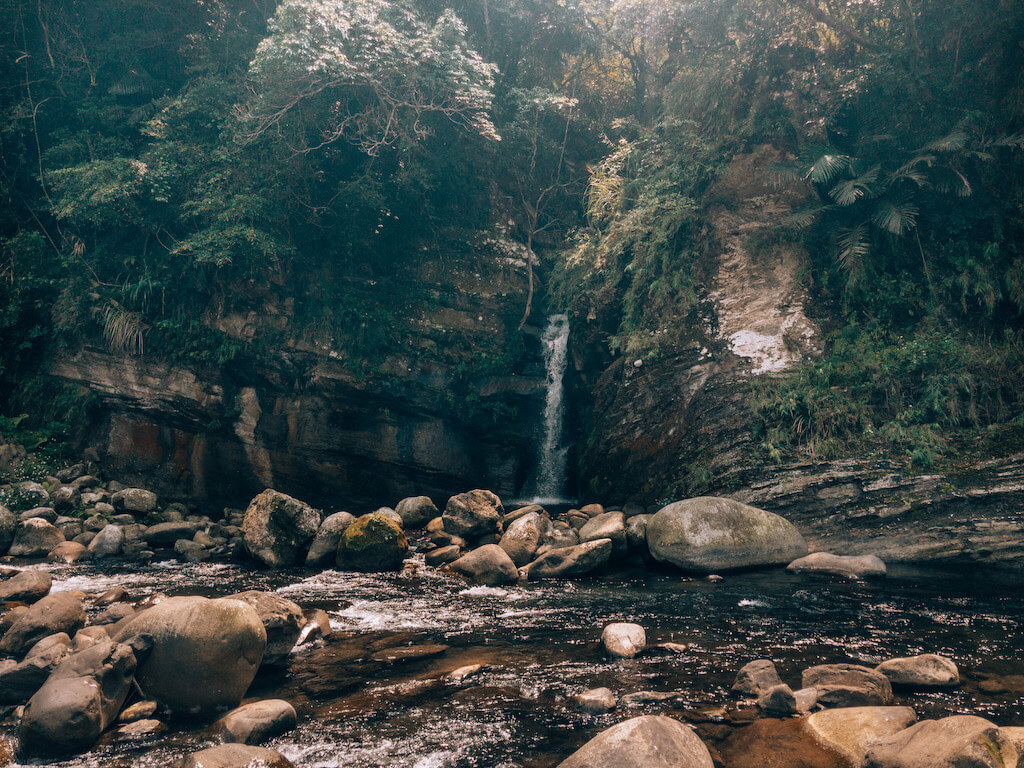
[{"x": 551, "y": 468}]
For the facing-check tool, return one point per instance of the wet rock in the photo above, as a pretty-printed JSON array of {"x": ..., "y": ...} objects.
[
  {"x": 205, "y": 652},
  {"x": 570, "y": 561},
  {"x": 163, "y": 535},
  {"x": 107, "y": 542},
  {"x": 134, "y": 500},
  {"x": 523, "y": 536},
  {"x": 79, "y": 700},
  {"x": 489, "y": 565},
  {"x": 137, "y": 729},
  {"x": 710, "y": 534},
  {"x": 638, "y": 698},
  {"x": 257, "y": 722},
  {"x": 925, "y": 671},
  {"x": 111, "y": 596},
  {"x": 777, "y": 701},
  {"x": 277, "y": 528},
  {"x": 323, "y": 551},
  {"x": 636, "y": 534},
  {"x": 113, "y": 614},
  {"x": 409, "y": 653},
  {"x": 806, "y": 699},
  {"x": 57, "y": 612},
  {"x": 558, "y": 536},
  {"x": 235, "y": 756},
  {"x": 442, "y": 555},
  {"x": 515, "y": 514},
  {"x": 852, "y": 731},
  {"x": 851, "y": 567},
  {"x": 18, "y": 681},
  {"x": 606, "y": 525},
  {"x": 88, "y": 637},
  {"x": 317, "y": 624},
  {"x": 416, "y": 511},
  {"x": 374, "y": 542},
  {"x": 141, "y": 710},
  {"x": 848, "y": 685},
  {"x": 596, "y": 701},
  {"x": 11, "y": 616},
  {"x": 191, "y": 552},
  {"x": 462, "y": 674},
  {"x": 389, "y": 512},
  {"x": 282, "y": 620},
  {"x": 593, "y": 510},
  {"x": 755, "y": 678},
  {"x": 69, "y": 552},
  {"x": 27, "y": 586},
  {"x": 962, "y": 741},
  {"x": 623, "y": 640},
  {"x": 35, "y": 537},
  {"x": 473, "y": 514},
  {"x": 43, "y": 513},
  {"x": 652, "y": 741},
  {"x": 8, "y": 525},
  {"x": 775, "y": 743}
]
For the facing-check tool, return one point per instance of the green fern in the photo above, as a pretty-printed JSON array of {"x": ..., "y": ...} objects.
[{"x": 896, "y": 218}]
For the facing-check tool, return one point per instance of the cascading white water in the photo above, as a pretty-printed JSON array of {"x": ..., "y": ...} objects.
[{"x": 551, "y": 474}]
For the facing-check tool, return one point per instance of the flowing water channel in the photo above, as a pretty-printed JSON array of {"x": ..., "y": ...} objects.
[
  {"x": 539, "y": 646},
  {"x": 551, "y": 465}
]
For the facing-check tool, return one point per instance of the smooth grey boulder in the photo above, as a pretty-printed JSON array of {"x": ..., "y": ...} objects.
[
  {"x": 606, "y": 525},
  {"x": 596, "y": 701},
  {"x": 848, "y": 685},
  {"x": 164, "y": 535},
  {"x": 323, "y": 550},
  {"x": 235, "y": 756},
  {"x": 755, "y": 678},
  {"x": 570, "y": 561},
  {"x": 928, "y": 670},
  {"x": 134, "y": 500},
  {"x": 35, "y": 537},
  {"x": 473, "y": 514},
  {"x": 777, "y": 701},
  {"x": 205, "y": 652},
  {"x": 652, "y": 741},
  {"x": 18, "y": 681},
  {"x": 107, "y": 542},
  {"x": 848, "y": 566},
  {"x": 523, "y": 536},
  {"x": 416, "y": 511},
  {"x": 710, "y": 535},
  {"x": 57, "y": 612},
  {"x": 28, "y": 586},
  {"x": 257, "y": 722},
  {"x": 623, "y": 640},
  {"x": 191, "y": 551},
  {"x": 277, "y": 529},
  {"x": 282, "y": 620},
  {"x": 80, "y": 699},
  {"x": 852, "y": 731},
  {"x": 962, "y": 741},
  {"x": 489, "y": 565},
  {"x": 373, "y": 542}
]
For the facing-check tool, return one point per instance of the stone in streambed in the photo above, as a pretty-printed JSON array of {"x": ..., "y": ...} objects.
[
  {"x": 134, "y": 500},
  {"x": 852, "y": 731},
  {"x": 710, "y": 534},
  {"x": 570, "y": 561},
  {"x": 623, "y": 640},
  {"x": 35, "y": 537},
  {"x": 107, "y": 542},
  {"x": 928, "y": 670},
  {"x": 18, "y": 681},
  {"x": 489, "y": 565},
  {"x": 848, "y": 566},
  {"x": 235, "y": 756},
  {"x": 523, "y": 536},
  {"x": 8, "y": 525},
  {"x": 848, "y": 685},
  {"x": 282, "y": 619},
  {"x": 652, "y": 741},
  {"x": 277, "y": 529},
  {"x": 416, "y": 511},
  {"x": 26, "y": 586},
  {"x": 57, "y": 612},
  {"x": 473, "y": 514},
  {"x": 755, "y": 678},
  {"x": 163, "y": 535},
  {"x": 962, "y": 741},
  {"x": 606, "y": 525},
  {"x": 323, "y": 551},
  {"x": 205, "y": 652},
  {"x": 68, "y": 552},
  {"x": 374, "y": 542},
  {"x": 257, "y": 722},
  {"x": 636, "y": 534},
  {"x": 596, "y": 701},
  {"x": 442, "y": 555}
]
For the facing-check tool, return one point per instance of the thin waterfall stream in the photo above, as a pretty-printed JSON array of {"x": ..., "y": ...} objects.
[{"x": 551, "y": 469}]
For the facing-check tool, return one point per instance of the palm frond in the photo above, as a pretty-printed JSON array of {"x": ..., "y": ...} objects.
[
  {"x": 1013, "y": 141},
  {"x": 783, "y": 174},
  {"x": 827, "y": 167},
  {"x": 848, "y": 192},
  {"x": 951, "y": 142},
  {"x": 854, "y": 246},
  {"x": 804, "y": 217},
  {"x": 895, "y": 217}
]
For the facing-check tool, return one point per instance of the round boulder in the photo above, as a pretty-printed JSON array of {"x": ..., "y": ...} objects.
[
  {"x": 107, "y": 542},
  {"x": 205, "y": 652},
  {"x": 277, "y": 528},
  {"x": 852, "y": 731},
  {"x": 58, "y": 612},
  {"x": 962, "y": 741},
  {"x": 623, "y": 640},
  {"x": 606, "y": 525},
  {"x": 710, "y": 534},
  {"x": 257, "y": 722},
  {"x": 652, "y": 741},
  {"x": 848, "y": 685},
  {"x": 26, "y": 586},
  {"x": 374, "y": 542},
  {"x": 755, "y": 678},
  {"x": 523, "y": 536},
  {"x": 134, "y": 500},
  {"x": 847, "y": 566},
  {"x": 416, "y": 511},
  {"x": 324, "y": 549},
  {"x": 473, "y": 514},
  {"x": 234, "y": 756},
  {"x": 925, "y": 671},
  {"x": 489, "y": 565},
  {"x": 35, "y": 537}
]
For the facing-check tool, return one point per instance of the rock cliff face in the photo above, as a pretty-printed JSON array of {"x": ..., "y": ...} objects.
[{"x": 430, "y": 417}]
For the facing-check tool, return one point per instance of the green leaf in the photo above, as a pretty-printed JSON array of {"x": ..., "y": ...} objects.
[
  {"x": 828, "y": 167},
  {"x": 895, "y": 217}
]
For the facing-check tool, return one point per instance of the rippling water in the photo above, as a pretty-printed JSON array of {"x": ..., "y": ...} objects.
[{"x": 539, "y": 646}]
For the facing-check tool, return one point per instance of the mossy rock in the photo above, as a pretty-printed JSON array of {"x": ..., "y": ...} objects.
[{"x": 374, "y": 542}]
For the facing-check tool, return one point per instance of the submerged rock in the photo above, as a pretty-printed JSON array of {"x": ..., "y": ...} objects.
[
  {"x": 925, "y": 671},
  {"x": 489, "y": 565},
  {"x": 374, "y": 542},
  {"x": 848, "y": 685},
  {"x": 570, "y": 561},
  {"x": 710, "y": 534},
  {"x": 962, "y": 741},
  {"x": 652, "y": 741},
  {"x": 755, "y": 678},
  {"x": 277, "y": 528},
  {"x": 852, "y": 731},
  {"x": 623, "y": 640},
  {"x": 257, "y": 722},
  {"x": 234, "y": 756},
  {"x": 853, "y": 567},
  {"x": 596, "y": 701}
]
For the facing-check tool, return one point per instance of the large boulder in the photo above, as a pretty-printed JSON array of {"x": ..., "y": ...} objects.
[
  {"x": 277, "y": 528},
  {"x": 925, "y": 671},
  {"x": 848, "y": 685},
  {"x": 323, "y": 551},
  {"x": 652, "y": 741},
  {"x": 847, "y": 566},
  {"x": 606, "y": 525},
  {"x": 19, "y": 680},
  {"x": 416, "y": 511},
  {"x": 282, "y": 619},
  {"x": 79, "y": 700},
  {"x": 623, "y": 640},
  {"x": 755, "y": 678},
  {"x": 489, "y": 565},
  {"x": 570, "y": 561},
  {"x": 137, "y": 500},
  {"x": 852, "y": 731},
  {"x": 256, "y": 722},
  {"x": 27, "y": 586},
  {"x": 107, "y": 542},
  {"x": 710, "y": 534},
  {"x": 962, "y": 741},
  {"x": 234, "y": 756},
  {"x": 523, "y": 536},
  {"x": 58, "y": 612},
  {"x": 205, "y": 652},
  {"x": 374, "y": 542},
  {"x": 473, "y": 514},
  {"x": 636, "y": 534},
  {"x": 35, "y": 537},
  {"x": 163, "y": 535}
]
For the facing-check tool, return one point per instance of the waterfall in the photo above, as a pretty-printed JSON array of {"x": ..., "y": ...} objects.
[{"x": 551, "y": 475}]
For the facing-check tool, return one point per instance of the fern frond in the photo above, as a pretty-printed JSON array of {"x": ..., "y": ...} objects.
[
  {"x": 854, "y": 247},
  {"x": 782, "y": 174},
  {"x": 1014, "y": 141},
  {"x": 827, "y": 168},
  {"x": 895, "y": 217}
]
